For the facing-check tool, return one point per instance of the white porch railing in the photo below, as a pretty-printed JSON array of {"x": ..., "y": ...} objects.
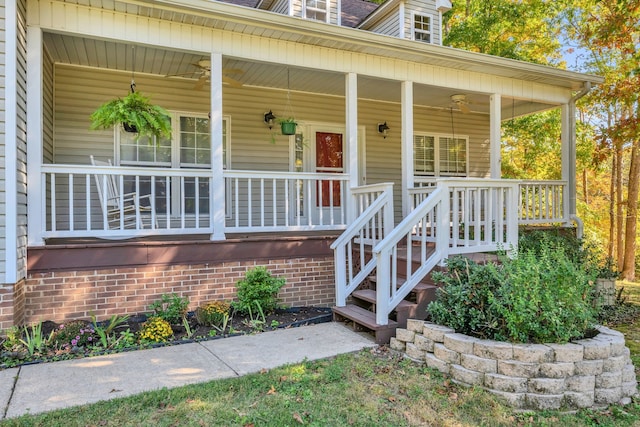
[
  {"x": 542, "y": 202},
  {"x": 75, "y": 208},
  {"x": 375, "y": 220},
  {"x": 459, "y": 216},
  {"x": 285, "y": 201},
  {"x": 179, "y": 201}
]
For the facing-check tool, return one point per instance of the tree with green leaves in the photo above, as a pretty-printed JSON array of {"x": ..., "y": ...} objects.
[
  {"x": 523, "y": 30},
  {"x": 608, "y": 30}
]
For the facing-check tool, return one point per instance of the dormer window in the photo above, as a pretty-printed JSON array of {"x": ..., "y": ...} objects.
[
  {"x": 422, "y": 28},
  {"x": 316, "y": 9}
]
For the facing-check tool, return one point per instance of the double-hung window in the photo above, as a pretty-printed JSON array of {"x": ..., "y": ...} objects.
[
  {"x": 440, "y": 155},
  {"x": 189, "y": 148},
  {"x": 422, "y": 28},
  {"x": 317, "y": 10}
]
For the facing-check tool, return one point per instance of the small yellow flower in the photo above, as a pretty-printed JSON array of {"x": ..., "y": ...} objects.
[{"x": 156, "y": 330}]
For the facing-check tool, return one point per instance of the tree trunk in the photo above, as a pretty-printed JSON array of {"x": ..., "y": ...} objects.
[
  {"x": 619, "y": 207},
  {"x": 612, "y": 208},
  {"x": 629, "y": 267}
]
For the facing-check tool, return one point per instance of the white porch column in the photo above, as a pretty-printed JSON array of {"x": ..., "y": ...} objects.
[
  {"x": 351, "y": 115},
  {"x": 35, "y": 191},
  {"x": 217, "y": 174},
  {"x": 568, "y": 156},
  {"x": 407, "y": 144},
  {"x": 495, "y": 118}
]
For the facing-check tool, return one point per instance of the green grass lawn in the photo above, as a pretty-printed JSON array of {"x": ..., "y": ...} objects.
[{"x": 370, "y": 388}]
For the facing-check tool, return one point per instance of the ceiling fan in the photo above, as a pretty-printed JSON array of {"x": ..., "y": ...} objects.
[
  {"x": 460, "y": 101},
  {"x": 203, "y": 73}
]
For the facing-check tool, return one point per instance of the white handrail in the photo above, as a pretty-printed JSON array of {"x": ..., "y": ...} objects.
[
  {"x": 485, "y": 213},
  {"x": 373, "y": 223}
]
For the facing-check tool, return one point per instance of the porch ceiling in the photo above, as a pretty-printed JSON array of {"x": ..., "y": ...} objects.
[{"x": 174, "y": 64}]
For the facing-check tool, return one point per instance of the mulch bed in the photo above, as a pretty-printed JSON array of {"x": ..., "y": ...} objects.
[{"x": 238, "y": 325}]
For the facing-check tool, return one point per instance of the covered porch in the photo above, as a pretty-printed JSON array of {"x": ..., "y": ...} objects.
[{"x": 227, "y": 171}]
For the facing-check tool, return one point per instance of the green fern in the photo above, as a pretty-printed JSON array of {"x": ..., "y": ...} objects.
[{"x": 136, "y": 110}]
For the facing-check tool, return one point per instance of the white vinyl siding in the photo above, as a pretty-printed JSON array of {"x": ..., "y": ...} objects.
[
  {"x": 281, "y": 6},
  {"x": 21, "y": 141},
  {"x": 388, "y": 25}
]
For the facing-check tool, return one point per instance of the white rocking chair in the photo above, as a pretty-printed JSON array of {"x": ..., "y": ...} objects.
[{"x": 116, "y": 208}]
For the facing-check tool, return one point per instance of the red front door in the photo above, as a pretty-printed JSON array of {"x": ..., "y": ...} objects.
[{"x": 329, "y": 159}]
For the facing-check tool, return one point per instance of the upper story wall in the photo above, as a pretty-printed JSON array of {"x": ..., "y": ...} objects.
[
  {"x": 412, "y": 20},
  {"x": 319, "y": 10}
]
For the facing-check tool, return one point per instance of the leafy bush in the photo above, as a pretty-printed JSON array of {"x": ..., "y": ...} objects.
[
  {"x": 541, "y": 296},
  {"x": 213, "y": 313},
  {"x": 76, "y": 333},
  {"x": 155, "y": 329},
  {"x": 258, "y": 289},
  {"x": 587, "y": 254},
  {"x": 171, "y": 308}
]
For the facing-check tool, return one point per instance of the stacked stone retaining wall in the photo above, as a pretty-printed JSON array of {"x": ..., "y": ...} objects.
[{"x": 588, "y": 373}]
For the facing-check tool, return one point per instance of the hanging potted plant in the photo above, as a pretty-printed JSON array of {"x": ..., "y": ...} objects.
[
  {"x": 135, "y": 113},
  {"x": 288, "y": 126}
]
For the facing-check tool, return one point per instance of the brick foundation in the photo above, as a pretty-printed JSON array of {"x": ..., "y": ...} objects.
[
  {"x": 12, "y": 304},
  {"x": 65, "y": 295}
]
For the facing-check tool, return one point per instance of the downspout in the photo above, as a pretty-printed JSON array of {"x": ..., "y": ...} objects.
[{"x": 586, "y": 88}]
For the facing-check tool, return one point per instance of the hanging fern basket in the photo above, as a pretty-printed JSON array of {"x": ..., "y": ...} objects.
[
  {"x": 288, "y": 128},
  {"x": 130, "y": 128},
  {"x": 136, "y": 114}
]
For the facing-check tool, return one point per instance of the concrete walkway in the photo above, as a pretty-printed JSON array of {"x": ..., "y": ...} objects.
[{"x": 47, "y": 386}]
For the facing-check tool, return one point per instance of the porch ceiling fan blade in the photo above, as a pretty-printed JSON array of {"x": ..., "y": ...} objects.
[
  {"x": 464, "y": 108},
  {"x": 190, "y": 73},
  {"x": 231, "y": 82},
  {"x": 461, "y": 102},
  {"x": 201, "y": 81}
]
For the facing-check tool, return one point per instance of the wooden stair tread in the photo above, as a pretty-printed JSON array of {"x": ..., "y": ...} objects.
[
  {"x": 369, "y": 295},
  {"x": 363, "y": 317}
]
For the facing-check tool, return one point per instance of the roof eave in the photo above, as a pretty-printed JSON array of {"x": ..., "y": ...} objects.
[{"x": 356, "y": 37}]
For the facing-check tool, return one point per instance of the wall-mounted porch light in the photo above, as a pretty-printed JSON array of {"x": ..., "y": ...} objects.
[
  {"x": 383, "y": 129},
  {"x": 269, "y": 119}
]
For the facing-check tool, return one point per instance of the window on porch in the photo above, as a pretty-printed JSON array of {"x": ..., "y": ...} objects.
[
  {"x": 189, "y": 148},
  {"x": 440, "y": 155}
]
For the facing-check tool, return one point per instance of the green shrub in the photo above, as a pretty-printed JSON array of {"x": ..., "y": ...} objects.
[
  {"x": 171, "y": 308},
  {"x": 587, "y": 254},
  {"x": 541, "y": 296},
  {"x": 260, "y": 287},
  {"x": 213, "y": 313},
  {"x": 155, "y": 330},
  {"x": 463, "y": 301}
]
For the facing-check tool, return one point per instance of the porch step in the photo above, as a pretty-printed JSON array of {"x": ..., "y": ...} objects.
[
  {"x": 366, "y": 298},
  {"x": 364, "y": 320}
]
